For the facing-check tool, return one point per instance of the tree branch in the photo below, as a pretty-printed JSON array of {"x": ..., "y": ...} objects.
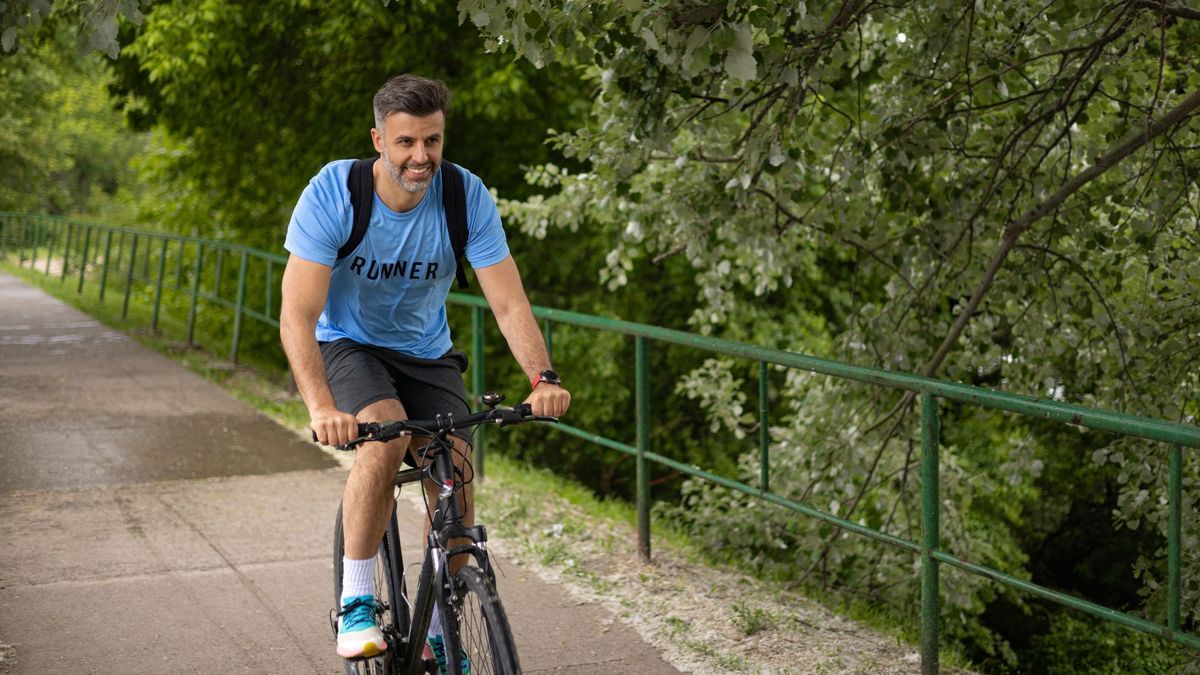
[
  {"x": 1177, "y": 10},
  {"x": 1014, "y": 230}
]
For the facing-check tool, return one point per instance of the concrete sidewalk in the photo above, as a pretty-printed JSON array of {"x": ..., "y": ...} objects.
[{"x": 151, "y": 523}]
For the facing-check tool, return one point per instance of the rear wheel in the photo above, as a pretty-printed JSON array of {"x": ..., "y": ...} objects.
[
  {"x": 389, "y": 590},
  {"x": 480, "y": 628}
]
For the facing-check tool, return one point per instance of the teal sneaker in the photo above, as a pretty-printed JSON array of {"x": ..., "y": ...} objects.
[
  {"x": 435, "y": 648},
  {"x": 358, "y": 633}
]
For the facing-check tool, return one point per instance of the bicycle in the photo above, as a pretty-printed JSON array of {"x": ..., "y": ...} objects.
[{"x": 473, "y": 619}]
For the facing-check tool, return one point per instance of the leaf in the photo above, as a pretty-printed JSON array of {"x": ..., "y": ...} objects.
[
  {"x": 9, "y": 39},
  {"x": 480, "y": 17},
  {"x": 739, "y": 62},
  {"x": 651, "y": 39}
]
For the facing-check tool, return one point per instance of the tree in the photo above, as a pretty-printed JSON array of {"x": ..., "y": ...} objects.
[
  {"x": 95, "y": 21},
  {"x": 256, "y": 97},
  {"x": 62, "y": 145},
  {"x": 1009, "y": 192}
]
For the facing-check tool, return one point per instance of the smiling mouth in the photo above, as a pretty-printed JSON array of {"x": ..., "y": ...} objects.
[{"x": 419, "y": 171}]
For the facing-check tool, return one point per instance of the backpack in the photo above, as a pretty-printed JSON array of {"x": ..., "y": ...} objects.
[{"x": 361, "y": 184}]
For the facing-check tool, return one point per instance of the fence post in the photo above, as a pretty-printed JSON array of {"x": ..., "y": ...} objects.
[
  {"x": 1174, "y": 532},
  {"x": 67, "y": 251},
  {"x": 642, "y": 379},
  {"x": 129, "y": 277},
  {"x": 120, "y": 249},
  {"x": 50, "y": 249},
  {"x": 477, "y": 384},
  {"x": 83, "y": 259},
  {"x": 196, "y": 271},
  {"x": 158, "y": 284},
  {"x": 764, "y": 439},
  {"x": 270, "y": 289},
  {"x": 930, "y": 490},
  {"x": 37, "y": 241},
  {"x": 237, "y": 308},
  {"x": 104, "y": 269},
  {"x": 22, "y": 227},
  {"x": 220, "y": 272},
  {"x": 146, "y": 262}
]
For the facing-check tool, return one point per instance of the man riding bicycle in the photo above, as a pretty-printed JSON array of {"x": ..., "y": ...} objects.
[{"x": 366, "y": 333}]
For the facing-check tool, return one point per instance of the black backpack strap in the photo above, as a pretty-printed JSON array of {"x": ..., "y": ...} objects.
[
  {"x": 361, "y": 185},
  {"x": 454, "y": 201}
]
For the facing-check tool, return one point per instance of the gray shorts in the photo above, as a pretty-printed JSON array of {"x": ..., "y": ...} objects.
[{"x": 360, "y": 375}]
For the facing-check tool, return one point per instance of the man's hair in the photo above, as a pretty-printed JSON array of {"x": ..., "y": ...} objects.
[{"x": 411, "y": 94}]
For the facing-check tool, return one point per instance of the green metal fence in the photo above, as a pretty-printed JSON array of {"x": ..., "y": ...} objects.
[
  {"x": 50, "y": 242},
  {"x": 201, "y": 272}
]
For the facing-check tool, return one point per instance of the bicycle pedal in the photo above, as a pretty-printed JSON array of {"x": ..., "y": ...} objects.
[{"x": 377, "y": 656}]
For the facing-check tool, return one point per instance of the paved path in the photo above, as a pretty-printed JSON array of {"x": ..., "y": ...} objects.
[{"x": 149, "y": 522}]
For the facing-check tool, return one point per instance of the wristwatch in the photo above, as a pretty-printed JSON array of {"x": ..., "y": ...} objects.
[{"x": 549, "y": 377}]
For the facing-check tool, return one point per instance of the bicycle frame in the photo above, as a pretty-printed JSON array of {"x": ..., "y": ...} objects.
[
  {"x": 436, "y": 585},
  {"x": 433, "y": 585}
]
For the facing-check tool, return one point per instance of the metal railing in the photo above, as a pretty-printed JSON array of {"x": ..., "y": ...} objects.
[
  {"x": 929, "y": 391},
  {"x": 200, "y": 270}
]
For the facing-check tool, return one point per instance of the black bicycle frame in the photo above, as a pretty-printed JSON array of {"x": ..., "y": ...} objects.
[{"x": 445, "y": 526}]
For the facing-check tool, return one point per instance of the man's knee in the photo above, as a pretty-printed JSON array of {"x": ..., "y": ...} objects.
[{"x": 382, "y": 458}]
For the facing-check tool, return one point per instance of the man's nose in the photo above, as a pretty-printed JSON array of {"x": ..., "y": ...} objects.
[{"x": 419, "y": 153}]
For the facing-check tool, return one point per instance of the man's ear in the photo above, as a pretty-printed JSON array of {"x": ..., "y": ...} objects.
[{"x": 377, "y": 139}]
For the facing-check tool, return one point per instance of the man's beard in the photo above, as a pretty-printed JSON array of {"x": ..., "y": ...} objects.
[{"x": 412, "y": 186}]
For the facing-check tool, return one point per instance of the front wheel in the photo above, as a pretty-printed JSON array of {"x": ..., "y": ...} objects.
[{"x": 480, "y": 628}]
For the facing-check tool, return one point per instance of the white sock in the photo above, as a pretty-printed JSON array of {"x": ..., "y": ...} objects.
[
  {"x": 435, "y": 623},
  {"x": 358, "y": 577}
]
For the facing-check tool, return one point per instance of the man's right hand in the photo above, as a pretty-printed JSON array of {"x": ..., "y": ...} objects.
[{"x": 333, "y": 427}]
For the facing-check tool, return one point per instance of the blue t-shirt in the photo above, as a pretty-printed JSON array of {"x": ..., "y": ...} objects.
[{"x": 391, "y": 290}]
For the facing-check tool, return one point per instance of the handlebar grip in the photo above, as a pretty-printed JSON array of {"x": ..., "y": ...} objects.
[
  {"x": 523, "y": 409},
  {"x": 364, "y": 429}
]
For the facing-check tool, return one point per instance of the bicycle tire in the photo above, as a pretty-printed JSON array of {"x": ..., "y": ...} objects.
[
  {"x": 479, "y": 628},
  {"x": 389, "y": 589}
]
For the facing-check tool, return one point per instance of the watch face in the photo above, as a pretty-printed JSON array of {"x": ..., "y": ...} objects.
[{"x": 551, "y": 377}]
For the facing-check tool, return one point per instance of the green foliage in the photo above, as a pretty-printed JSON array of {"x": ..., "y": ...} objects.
[
  {"x": 94, "y": 21},
  {"x": 63, "y": 147},
  {"x": 1082, "y": 644},
  {"x": 253, "y": 98},
  {"x": 964, "y": 190}
]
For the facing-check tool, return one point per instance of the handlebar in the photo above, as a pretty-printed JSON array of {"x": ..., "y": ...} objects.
[{"x": 442, "y": 425}]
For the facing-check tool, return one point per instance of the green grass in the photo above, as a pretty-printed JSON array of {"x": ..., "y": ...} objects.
[{"x": 750, "y": 620}]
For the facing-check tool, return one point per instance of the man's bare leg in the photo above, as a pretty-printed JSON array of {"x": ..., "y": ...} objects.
[
  {"x": 367, "y": 503},
  {"x": 368, "y": 497}
]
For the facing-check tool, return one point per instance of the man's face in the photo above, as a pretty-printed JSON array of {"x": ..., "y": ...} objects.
[{"x": 411, "y": 148}]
